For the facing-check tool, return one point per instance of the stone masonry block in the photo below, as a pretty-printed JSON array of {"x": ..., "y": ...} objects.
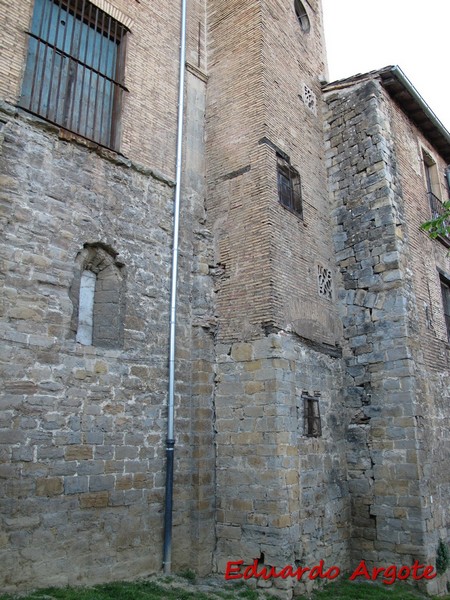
[
  {"x": 94, "y": 500},
  {"x": 241, "y": 352},
  {"x": 49, "y": 486}
]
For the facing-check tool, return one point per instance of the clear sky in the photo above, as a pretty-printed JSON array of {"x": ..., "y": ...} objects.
[{"x": 364, "y": 35}]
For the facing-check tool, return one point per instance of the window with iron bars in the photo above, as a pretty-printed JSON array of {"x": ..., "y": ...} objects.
[
  {"x": 75, "y": 67},
  {"x": 312, "y": 426},
  {"x": 289, "y": 187}
]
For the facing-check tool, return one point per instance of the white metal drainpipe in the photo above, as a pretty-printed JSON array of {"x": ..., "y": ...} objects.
[{"x": 170, "y": 442}]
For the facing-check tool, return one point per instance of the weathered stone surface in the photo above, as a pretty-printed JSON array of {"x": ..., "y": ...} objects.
[
  {"x": 280, "y": 495},
  {"x": 273, "y": 320},
  {"x": 85, "y": 424},
  {"x": 391, "y": 370}
]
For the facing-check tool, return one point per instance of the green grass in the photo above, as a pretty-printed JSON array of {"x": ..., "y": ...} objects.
[
  {"x": 135, "y": 591},
  {"x": 365, "y": 591},
  {"x": 183, "y": 589},
  {"x": 113, "y": 591}
]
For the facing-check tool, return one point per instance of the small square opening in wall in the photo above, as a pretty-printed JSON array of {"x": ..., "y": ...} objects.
[{"x": 311, "y": 415}]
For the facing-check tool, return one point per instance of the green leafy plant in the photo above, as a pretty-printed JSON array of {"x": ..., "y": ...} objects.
[
  {"x": 440, "y": 225},
  {"x": 442, "y": 557}
]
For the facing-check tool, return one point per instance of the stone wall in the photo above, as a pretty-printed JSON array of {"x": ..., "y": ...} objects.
[
  {"x": 86, "y": 444},
  {"x": 282, "y": 497},
  {"x": 83, "y": 426},
  {"x": 368, "y": 213},
  {"x": 430, "y": 344},
  {"x": 194, "y": 538},
  {"x": 388, "y": 460}
]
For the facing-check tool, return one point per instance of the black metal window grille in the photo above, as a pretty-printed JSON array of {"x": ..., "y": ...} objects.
[
  {"x": 289, "y": 187},
  {"x": 445, "y": 289},
  {"x": 311, "y": 416},
  {"x": 438, "y": 210},
  {"x": 75, "y": 67}
]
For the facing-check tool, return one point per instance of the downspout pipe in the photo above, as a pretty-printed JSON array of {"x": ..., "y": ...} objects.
[{"x": 170, "y": 441}]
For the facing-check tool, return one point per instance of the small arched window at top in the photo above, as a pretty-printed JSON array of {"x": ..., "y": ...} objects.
[{"x": 302, "y": 16}]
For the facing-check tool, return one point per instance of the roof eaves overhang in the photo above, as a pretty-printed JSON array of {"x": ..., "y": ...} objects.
[{"x": 402, "y": 91}]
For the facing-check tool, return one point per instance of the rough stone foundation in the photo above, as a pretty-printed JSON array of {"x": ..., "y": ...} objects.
[{"x": 282, "y": 497}]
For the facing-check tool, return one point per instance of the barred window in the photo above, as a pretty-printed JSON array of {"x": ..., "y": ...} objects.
[
  {"x": 289, "y": 187},
  {"x": 311, "y": 415},
  {"x": 75, "y": 66}
]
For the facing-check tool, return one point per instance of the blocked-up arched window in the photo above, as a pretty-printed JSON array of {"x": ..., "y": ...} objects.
[{"x": 98, "y": 297}]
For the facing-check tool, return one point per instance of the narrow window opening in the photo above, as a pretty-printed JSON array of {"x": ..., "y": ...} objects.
[
  {"x": 445, "y": 290},
  {"x": 302, "y": 16},
  {"x": 289, "y": 187},
  {"x": 431, "y": 177},
  {"x": 86, "y": 308},
  {"x": 311, "y": 418},
  {"x": 98, "y": 297}
]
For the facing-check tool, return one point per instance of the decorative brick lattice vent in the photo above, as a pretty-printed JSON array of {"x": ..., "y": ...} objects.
[
  {"x": 309, "y": 98},
  {"x": 325, "y": 282}
]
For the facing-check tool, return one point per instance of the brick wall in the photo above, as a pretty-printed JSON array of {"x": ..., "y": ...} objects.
[
  {"x": 268, "y": 257},
  {"x": 426, "y": 255}
]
